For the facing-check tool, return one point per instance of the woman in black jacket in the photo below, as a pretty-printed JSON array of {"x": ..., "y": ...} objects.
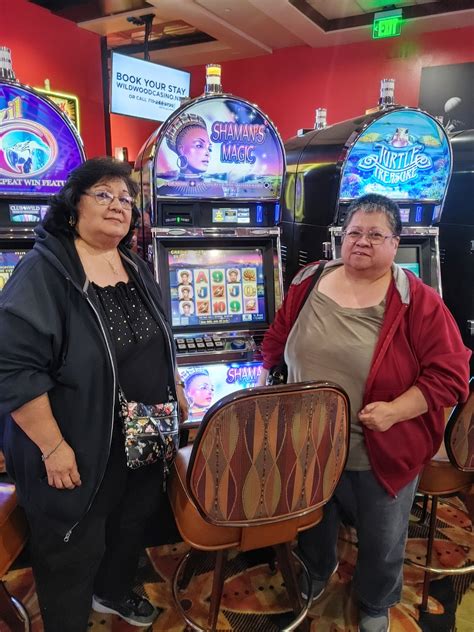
[{"x": 80, "y": 315}]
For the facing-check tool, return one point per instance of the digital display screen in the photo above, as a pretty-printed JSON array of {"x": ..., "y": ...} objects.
[
  {"x": 405, "y": 215},
  {"x": 27, "y": 213},
  {"x": 413, "y": 267},
  {"x": 219, "y": 147},
  {"x": 404, "y": 155},
  {"x": 231, "y": 216},
  {"x": 206, "y": 384},
  {"x": 216, "y": 287},
  {"x": 8, "y": 261},
  {"x": 144, "y": 89},
  {"x": 39, "y": 146},
  {"x": 409, "y": 256}
]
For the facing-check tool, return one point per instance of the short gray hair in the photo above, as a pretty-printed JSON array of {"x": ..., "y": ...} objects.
[{"x": 374, "y": 203}]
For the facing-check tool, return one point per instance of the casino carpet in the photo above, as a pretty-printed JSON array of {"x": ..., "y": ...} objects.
[{"x": 254, "y": 600}]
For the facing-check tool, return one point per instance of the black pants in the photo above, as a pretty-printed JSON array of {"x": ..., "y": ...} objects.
[{"x": 102, "y": 554}]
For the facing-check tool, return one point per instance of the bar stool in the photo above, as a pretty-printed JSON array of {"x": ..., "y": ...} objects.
[
  {"x": 444, "y": 477},
  {"x": 264, "y": 463},
  {"x": 13, "y": 535}
]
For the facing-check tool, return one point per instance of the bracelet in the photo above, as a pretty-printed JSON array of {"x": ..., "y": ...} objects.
[
  {"x": 180, "y": 383},
  {"x": 46, "y": 456}
]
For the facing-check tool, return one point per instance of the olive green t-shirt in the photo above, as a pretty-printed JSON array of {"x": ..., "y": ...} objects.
[{"x": 336, "y": 344}]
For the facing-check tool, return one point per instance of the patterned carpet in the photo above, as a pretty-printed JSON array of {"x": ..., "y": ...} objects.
[{"x": 255, "y": 600}]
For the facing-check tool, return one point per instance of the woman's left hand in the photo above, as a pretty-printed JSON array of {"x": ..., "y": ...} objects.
[
  {"x": 378, "y": 416},
  {"x": 182, "y": 403}
]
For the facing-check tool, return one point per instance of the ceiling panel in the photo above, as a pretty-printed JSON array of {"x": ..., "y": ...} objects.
[
  {"x": 188, "y": 32},
  {"x": 247, "y": 17},
  {"x": 370, "y": 6},
  {"x": 335, "y": 10}
]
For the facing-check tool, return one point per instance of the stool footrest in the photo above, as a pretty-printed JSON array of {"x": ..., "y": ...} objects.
[{"x": 465, "y": 570}]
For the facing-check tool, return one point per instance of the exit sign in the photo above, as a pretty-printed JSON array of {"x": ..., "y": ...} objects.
[{"x": 387, "y": 24}]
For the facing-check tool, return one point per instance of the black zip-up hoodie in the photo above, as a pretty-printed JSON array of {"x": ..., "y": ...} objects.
[{"x": 53, "y": 339}]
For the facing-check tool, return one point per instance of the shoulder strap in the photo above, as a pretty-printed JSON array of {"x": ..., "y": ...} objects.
[{"x": 312, "y": 283}]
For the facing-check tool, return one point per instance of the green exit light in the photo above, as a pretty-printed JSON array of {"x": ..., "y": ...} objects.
[{"x": 387, "y": 24}]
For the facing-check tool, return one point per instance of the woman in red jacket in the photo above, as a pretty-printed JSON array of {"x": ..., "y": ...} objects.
[{"x": 390, "y": 342}]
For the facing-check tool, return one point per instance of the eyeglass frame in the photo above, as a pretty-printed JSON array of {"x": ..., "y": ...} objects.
[
  {"x": 110, "y": 197},
  {"x": 361, "y": 233}
]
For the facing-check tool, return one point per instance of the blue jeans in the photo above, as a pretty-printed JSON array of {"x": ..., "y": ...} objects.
[{"x": 381, "y": 522}]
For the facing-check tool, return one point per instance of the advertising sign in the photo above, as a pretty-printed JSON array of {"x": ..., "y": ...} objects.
[
  {"x": 205, "y": 384},
  {"x": 145, "y": 90},
  {"x": 38, "y": 147},
  {"x": 404, "y": 155},
  {"x": 219, "y": 147}
]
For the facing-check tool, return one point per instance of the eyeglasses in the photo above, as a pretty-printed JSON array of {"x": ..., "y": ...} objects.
[
  {"x": 104, "y": 198},
  {"x": 373, "y": 236}
]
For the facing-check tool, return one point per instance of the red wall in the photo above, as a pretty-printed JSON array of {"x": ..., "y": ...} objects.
[
  {"x": 291, "y": 83},
  {"x": 45, "y": 46},
  {"x": 287, "y": 85},
  {"x": 130, "y": 132}
]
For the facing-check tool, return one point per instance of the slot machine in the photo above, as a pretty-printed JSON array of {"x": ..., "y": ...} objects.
[
  {"x": 211, "y": 184},
  {"x": 39, "y": 146},
  {"x": 456, "y": 237},
  {"x": 400, "y": 152}
]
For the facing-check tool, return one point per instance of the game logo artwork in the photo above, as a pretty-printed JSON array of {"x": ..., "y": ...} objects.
[
  {"x": 404, "y": 155},
  {"x": 38, "y": 146},
  {"x": 27, "y": 213},
  {"x": 67, "y": 103},
  {"x": 205, "y": 385},
  {"x": 220, "y": 147},
  {"x": 216, "y": 287}
]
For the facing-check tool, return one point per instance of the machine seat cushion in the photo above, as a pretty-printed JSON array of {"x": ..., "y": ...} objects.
[
  {"x": 205, "y": 536},
  {"x": 442, "y": 478},
  {"x": 13, "y": 527}
]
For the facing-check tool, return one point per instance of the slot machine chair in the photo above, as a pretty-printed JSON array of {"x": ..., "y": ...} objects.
[
  {"x": 443, "y": 477},
  {"x": 13, "y": 535},
  {"x": 264, "y": 463}
]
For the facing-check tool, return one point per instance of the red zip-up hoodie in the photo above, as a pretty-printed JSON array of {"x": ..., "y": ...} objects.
[{"x": 419, "y": 344}]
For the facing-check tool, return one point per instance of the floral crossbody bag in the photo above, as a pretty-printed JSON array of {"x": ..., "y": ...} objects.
[{"x": 151, "y": 432}]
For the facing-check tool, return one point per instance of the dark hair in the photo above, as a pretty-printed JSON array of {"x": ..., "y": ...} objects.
[
  {"x": 61, "y": 217},
  {"x": 374, "y": 203}
]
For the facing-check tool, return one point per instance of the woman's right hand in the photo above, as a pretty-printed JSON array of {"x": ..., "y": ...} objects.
[{"x": 61, "y": 468}]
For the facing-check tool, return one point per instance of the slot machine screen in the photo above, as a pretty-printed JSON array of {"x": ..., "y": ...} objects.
[
  {"x": 8, "y": 261},
  {"x": 216, "y": 287},
  {"x": 206, "y": 384},
  {"x": 27, "y": 213},
  {"x": 210, "y": 288},
  {"x": 409, "y": 257}
]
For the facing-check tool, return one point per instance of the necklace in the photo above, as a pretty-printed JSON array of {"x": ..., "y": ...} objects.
[
  {"x": 82, "y": 246},
  {"x": 113, "y": 266}
]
